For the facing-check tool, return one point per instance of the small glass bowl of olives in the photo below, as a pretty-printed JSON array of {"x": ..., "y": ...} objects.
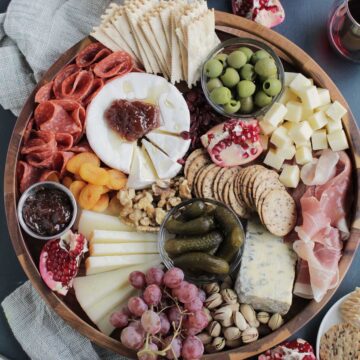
[
  {"x": 242, "y": 78},
  {"x": 204, "y": 238}
]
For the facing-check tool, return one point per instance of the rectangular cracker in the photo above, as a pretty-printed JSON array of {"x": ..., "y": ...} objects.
[
  {"x": 98, "y": 34},
  {"x": 176, "y": 65}
]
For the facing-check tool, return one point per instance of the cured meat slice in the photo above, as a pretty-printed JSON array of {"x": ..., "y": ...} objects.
[
  {"x": 61, "y": 76},
  {"x": 116, "y": 64},
  {"x": 96, "y": 86},
  {"x": 93, "y": 53},
  {"x": 60, "y": 160},
  {"x": 28, "y": 130},
  {"x": 50, "y": 175},
  {"x": 83, "y": 146},
  {"x": 64, "y": 141},
  {"x": 39, "y": 142},
  {"x": 45, "y": 92},
  {"x": 77, "y": 85},
  {"x": 27, "y": 175}
]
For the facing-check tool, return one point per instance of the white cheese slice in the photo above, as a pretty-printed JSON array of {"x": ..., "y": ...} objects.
[
  {"x": 108, "y": 236},
  {"x": 124, "y": 248},
  {"x": 174, "y": 146},
  {"x": 267, "y": 271},
  {"x": 165, "y": 167}
]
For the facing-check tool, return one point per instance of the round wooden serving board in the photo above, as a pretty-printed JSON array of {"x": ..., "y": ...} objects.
[{"x": 302, "y": 311}]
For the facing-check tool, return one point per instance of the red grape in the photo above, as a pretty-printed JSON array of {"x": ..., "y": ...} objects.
[
  {"x": 197, "y": 321},
  {"x": 165, "y": 324},
  {"x": 150, "y": 322},
  {"x": 173, "y": 277},
  {"x": 194, "y": 305},
  {"x": 149, "y": 356},
  {"x": 137, "y": 279},
  {"x": 137, "y": 326},
  {"x": 192, "y": 348},
  {"x": 175, "y": 291},
  {"x": 202, "y": 295},
  {"x": 175, "y": 351},
  {"x": 119, "y": 319},
  {"x": 131, "y": 338},
  {"x": 174, "y": 315},
  {"x": 126, "y": 311},
  {"x": 154, "y": 276},
  {"x": 187, "y": 293},
  {"x": 152, "y": 295},
  {"x": 137, "y": 305}
]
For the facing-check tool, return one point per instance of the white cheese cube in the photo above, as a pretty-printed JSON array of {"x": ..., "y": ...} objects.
[
  {"x": 288, "y": 125},
  {"x": 338, "y": 140},
  {"x": 310, "y": 97},
  {"x": 318, "y": 120},
  {"x": 287, "y": 96},
  {"x": 290, "y": 176},
  {"x": 287, "y": 152},
  {"x": 333, "y": 126},
  {"x": 276, "y": 114},
  {"x": 319, "y": 140},
  {"x": 304, "y": 143},
  {"x": 324, "y": 95},
  {"x": 301, "y": 132},
  {"x": 264, "y": 141},
  {"x": 303, "y": 155},
  {"x": 274, "y": 159},
  {"x": 267, "y": 271},
  {"x": 294, "y": 111},
  {"x": 306, "y": 113},
  {"x": 323, "y": 108},
  {"x": 336, "y": 111},
  {"x": 280, "y": 137},
  {"x": 289, "y": 77},
  {"x": 299, "y": 84},
  {"x": 266, "y": 128}
]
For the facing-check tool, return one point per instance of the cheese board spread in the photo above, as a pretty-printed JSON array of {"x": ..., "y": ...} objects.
[{"x": 213, "y": 187}]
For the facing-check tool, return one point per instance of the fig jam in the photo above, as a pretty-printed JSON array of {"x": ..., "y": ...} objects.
[
  {"x": 132, "y": 119},
  {"x": 47, "y": 211}
]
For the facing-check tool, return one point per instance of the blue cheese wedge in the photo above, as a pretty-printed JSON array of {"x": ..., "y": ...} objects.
[{"x": 267, "y": 271}]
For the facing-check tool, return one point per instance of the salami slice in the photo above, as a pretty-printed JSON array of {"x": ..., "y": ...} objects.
[
  {"x": 28, "y": 130},
  {"x": 82, "y": 146},
  {"x": 60, "y": 160},
  {"x": 116, "y": 64},
  {"x": 77, "y": 85},
  {"x": 95, "y": 88},
  {"x": 45, "y": 92},
  {"x": 27, "y": 175},
  {"x": 50, "y": 175},
  {"x": 40, "y": 142},
  {"x": 61, "y": 76},
  {"x": 93, "y": 53},
  {"x": 64, "y": 141}
]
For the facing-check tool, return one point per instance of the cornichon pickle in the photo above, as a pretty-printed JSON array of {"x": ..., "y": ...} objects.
[
  {"x": 194, "y": 210},
  {"x": 198, "y": 226},
  {"x": 199, "y": 261},
  {"x": 231, "y": 244},
  {"x": 225, "y": 219},
  {"x": 204, "y": 243}
]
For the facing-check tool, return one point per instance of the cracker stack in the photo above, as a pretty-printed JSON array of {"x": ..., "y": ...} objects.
[{"x": 169, "y": 37}]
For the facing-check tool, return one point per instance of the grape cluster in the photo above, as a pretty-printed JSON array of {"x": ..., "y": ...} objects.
[{"x": 164, "y": 319}]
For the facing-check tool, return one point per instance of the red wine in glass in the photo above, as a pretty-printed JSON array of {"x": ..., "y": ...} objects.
[{"x": 344, "y": 28}]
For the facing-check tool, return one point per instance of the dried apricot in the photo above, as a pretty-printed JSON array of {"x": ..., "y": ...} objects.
[
  {"x": 117, "y": 179},
  {"x": 76, "y": 187},
  {"x": 53, "y": 177},
  {"x": 114, "y": 206},
  {"x": 74, "y": 164},
  {"x": 90, "y": 195},
  {"x": 94, "y": 174},
  {"x": 67, "y": 180},
  {"x": 102, "y": 203}
]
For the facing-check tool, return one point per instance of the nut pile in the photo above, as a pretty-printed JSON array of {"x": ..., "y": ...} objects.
[
  {"x": 146, "y": 209},
  {"x": 232, "y": 324}
]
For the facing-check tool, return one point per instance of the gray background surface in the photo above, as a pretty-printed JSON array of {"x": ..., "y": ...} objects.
[{"x": 305, "y": 25}]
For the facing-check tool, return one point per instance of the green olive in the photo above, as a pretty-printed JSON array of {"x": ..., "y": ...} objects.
[
  {"x": 213, "y": 68},
  {"x": 247, "y": 72},
  {"x": 272, "y": 87},
  {"x": 247, "y": 51},
  {"x": 230, "y": 78},
  {"x": 220, "y": 95},
  {"x": 245, "y": 88},
  {"x": 258, "y": 55},
  {"x": 264, "y": 78},
  {"x": 237, "y": 59},
  {"x": 247, "y": 105},
  {"x": 232, "y": 107},
  {"x": 222, "y": 58},
  {"x": 261, "y": 99},
  {"x": 213, "y": 83},
  {"x": 266, "y": 67}
]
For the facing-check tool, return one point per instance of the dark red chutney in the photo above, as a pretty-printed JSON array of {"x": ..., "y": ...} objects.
[
  {"x": 47, "y": 212},
  {"x": 132, "y": 119}
]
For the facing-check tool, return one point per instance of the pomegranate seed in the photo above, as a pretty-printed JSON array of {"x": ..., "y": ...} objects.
[
  {"x": 243, "y": 138},
  {"x": 253, "y": 151},
  {"x": 185, "y": 135},
  {"x": 245, "y": 146},
  {"x": 245, "y": 155}
]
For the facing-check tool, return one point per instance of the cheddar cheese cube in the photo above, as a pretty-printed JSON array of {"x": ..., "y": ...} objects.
[
  {"x": 319, "y": 140},
  {"x": 301, "y": 132},
  {"x": 336, "y": 111},
  {"x": 280, "y": 137},
  {"x": 294, "y": 111},
  {"x": 274, "y": 159},
  {"x": 276, "y": 114},
  {"x": 290, "y": 176},
  {"x": 318, "y": 120},
  {"x": 338, "y": 141},
  {"x": 303, "y": 155}
]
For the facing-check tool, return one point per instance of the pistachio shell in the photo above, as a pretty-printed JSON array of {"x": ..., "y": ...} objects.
[
  {"x": 208, "y": 314},
  {"x": 240, "y": 321},
  {"x": 214, "y": 329},
  {"x": 249, "y": 315},
  {"x": 232, "y": 333},
  {"x": 218, "y": 343},
  {"x": 212, "y": 288},
  {"x": 263, "y": 317},
  {"x": 213, "y": 301},
  {"x": 249, "y": 335},
  {"x": 275, "y": 322},
  {"x": 205, "y": 338},
  {"x": 227, "y": 322},
  {"x": 229, "y": 296},
  {"x": 223, "y": 313}
]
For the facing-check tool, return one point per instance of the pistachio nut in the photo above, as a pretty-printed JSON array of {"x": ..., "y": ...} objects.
[
  {"x": 205, "y": 338},
  {"x": 240, "y": 321},
  {"x": 249, "y": 315},
  {"x": 233, "y": 343},
  {"x": 213, "y": 301},
  {"x": 225, "y": 285},
  {"x": 227, "y": 322},
  {"x": 212, "y": 288},
  {"x": 275, "y": 321},
  {"x": 263, "y": 317},
  {"x": 218, "y": 343},
  {"x": 235, "y": 307},
  {"x": 223, "y": 313},
  {"x": 214, "y": 329},
  {"x": 229, "y": 296},
  {"x": 208, "y": 313},
  {"x": 232, "y": 333},
  {"x": 249, "y": 335}
]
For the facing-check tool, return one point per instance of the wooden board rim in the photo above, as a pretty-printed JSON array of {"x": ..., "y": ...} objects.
[{"x": 237, "y": 26}]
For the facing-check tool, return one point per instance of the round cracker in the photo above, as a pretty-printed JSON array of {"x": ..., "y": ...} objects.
[
  {"x": 223, "y": 180},
  {"x": 259, "y": 169},
  {"x": 270, "y": 182},
  {"x": 201, "y": 178},
  {"x": 191, "y": 158},
  {"x": 237, "y": 191},
  {"x": 216, "y": 183},
  {"x": 194, "y": 167},
  {"x": 245, "y": 189},
  {"x": 279, "y": 212},
  {"x": 208, "y": 183},
  {"x": 262, "y": 176},
  {"x": 225, "y": 195},
  {"x": 240, "y": 209}
]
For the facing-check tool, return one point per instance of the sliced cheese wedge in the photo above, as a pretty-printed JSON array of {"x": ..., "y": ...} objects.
[
  {"x": 108, "y": 236},
  {"x": 174, "y": 146},
  {"x": 98, "y": 264},
  {"x": 165, "y": 167},
  {"x": 123, "y": 249},
  {"x": 91, "y": 220}
]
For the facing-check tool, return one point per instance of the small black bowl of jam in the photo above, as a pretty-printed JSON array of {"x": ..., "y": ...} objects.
[{"x": 47, "y": 210}]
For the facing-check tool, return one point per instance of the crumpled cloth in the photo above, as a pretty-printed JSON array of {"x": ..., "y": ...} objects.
[
  {"x": 33, "y": 34},
  {"x": 43, "y": 334}
]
